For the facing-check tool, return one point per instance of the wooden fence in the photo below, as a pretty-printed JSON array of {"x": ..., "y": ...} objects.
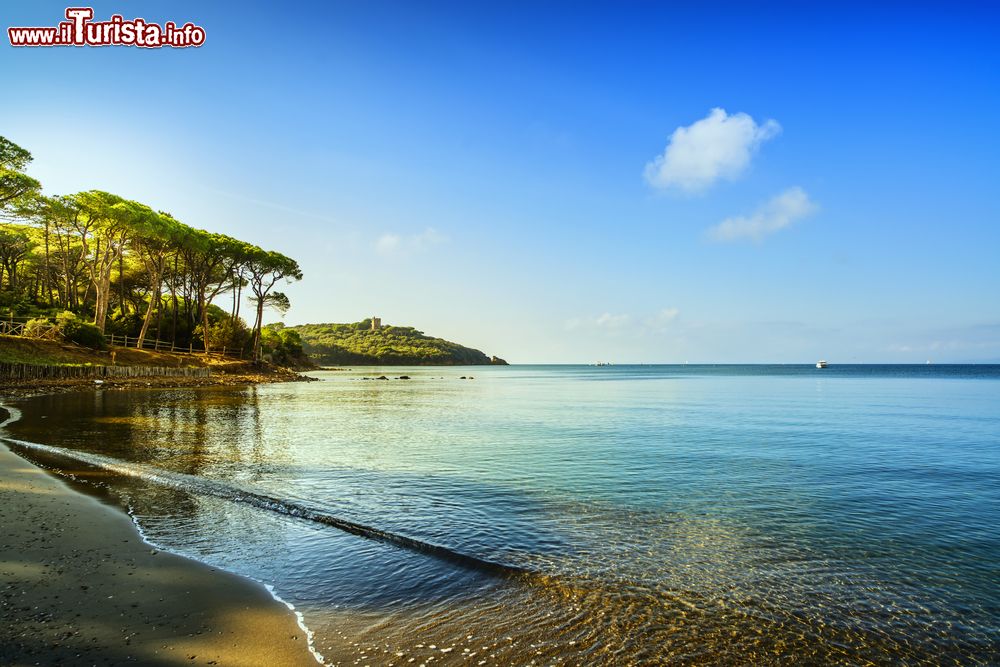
[
  {"x": 35, "y": 372},
  {"x": 18, "y": 326},
  {"x": 46, "y": 331},
  {"x": 168, "y": 346}
]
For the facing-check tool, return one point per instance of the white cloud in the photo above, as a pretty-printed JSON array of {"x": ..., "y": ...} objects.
[
  {"x": 611, "y": 322},
  {"x": 390, "y": 243},
  {"x": 781, "y": 211},
  {"x": 605, "y": 321},
  {"x": 662, "y": 320},
  {"x": 717, "y": 146}
]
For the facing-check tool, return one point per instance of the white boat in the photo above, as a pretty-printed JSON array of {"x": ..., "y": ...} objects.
[{"x": 821, "y": 364}]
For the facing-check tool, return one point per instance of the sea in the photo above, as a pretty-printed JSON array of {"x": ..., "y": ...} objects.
[{"x": 575, "y": 515}]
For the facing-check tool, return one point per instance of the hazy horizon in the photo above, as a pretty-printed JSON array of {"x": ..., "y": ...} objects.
[{"x": 565, "y": 183}]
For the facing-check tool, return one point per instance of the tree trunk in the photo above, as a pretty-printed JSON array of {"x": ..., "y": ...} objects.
[
  {"x": 48, "y": 270},
  {"x": 121, "y": 283},
  {"x": 239, "y": 298},
  {"x": 204, "y": 328},
  {"x": 258, "y": 322},
  {"x": 102, "y": 298},
  {"x": 154, "y": 300},
  {"x": 173, "y": 296}
]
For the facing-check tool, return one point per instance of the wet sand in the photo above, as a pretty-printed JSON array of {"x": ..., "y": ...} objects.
[{"x": 79, "y": 587}]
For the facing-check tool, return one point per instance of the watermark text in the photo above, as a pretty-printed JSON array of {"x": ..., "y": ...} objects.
[{"x": 79, "y": 29}]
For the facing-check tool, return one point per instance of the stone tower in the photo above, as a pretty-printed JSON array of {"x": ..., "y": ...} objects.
[{"x": 376, "y": 323}]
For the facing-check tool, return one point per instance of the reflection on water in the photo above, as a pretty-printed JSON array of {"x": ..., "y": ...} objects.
[{"x": 647, "y": 515}]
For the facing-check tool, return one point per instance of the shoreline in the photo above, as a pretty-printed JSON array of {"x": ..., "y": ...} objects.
[
  {"x": 10, "y": 388},
  {"x": 79, "y": 583}
]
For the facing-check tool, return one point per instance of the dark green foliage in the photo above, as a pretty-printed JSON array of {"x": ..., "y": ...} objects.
[
  {"x": 15, "y": 185},
  {"x": 128, "y": 324},
  {"x": 284, "y": 345},
  {"x": 225, "y": 332},
  {"x": 356, "y": 343},
  {"x": 80, "y": 332},
  {"x": 14, "y": 247},
  {"x": 15, "y": 302}
]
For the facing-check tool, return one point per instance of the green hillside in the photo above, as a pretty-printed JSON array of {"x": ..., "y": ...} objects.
[{"x": 358, "y": 344}]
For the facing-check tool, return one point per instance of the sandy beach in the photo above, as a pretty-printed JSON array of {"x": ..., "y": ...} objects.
[{"x": 79, "y": 587}]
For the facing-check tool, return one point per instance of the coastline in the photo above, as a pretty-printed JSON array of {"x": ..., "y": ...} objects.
[
  {"x": 10, "y": 388},
  {"x": 79, "y": 585}
]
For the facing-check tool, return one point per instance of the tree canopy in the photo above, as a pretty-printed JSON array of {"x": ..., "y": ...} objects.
[
  {"x": 356, "y": 343},
  {"x": 15, "y": 185},
  {"x": 126, "y": 267}
]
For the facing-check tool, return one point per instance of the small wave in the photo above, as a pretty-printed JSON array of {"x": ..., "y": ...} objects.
[
  {"x": 299, "y": 618},
  {"x": 8, "y": 415},
  {"x": 289, "y": 507}
]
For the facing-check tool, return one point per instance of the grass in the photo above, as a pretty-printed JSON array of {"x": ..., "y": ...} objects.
[{"x": 18, "y": 350}]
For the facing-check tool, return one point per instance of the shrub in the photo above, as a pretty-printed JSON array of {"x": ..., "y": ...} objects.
[
  {"x": 80, "y": 332},
  {"x": 225, "y": 333},
  {"x": 14, "y": 302},
  {"x": 36, "y": 327},
  {"x": 284, "y": 346},
  {"x": 127, "y": 325}
]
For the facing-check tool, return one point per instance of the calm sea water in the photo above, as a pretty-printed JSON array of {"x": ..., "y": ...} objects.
[{"x": 579, "y": 515}]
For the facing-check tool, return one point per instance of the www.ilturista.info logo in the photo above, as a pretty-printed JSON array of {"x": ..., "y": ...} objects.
[{"x": 81, "y": 30}]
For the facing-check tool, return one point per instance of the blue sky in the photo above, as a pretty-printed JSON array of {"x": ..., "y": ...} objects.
[{"x": 479, "y": 170}]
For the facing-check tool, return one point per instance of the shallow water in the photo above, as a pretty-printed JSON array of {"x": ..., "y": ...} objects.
[{"x": 580, "y": 515}]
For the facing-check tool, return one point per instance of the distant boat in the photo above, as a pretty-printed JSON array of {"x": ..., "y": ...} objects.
[{"x": 820, "y": 364}]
